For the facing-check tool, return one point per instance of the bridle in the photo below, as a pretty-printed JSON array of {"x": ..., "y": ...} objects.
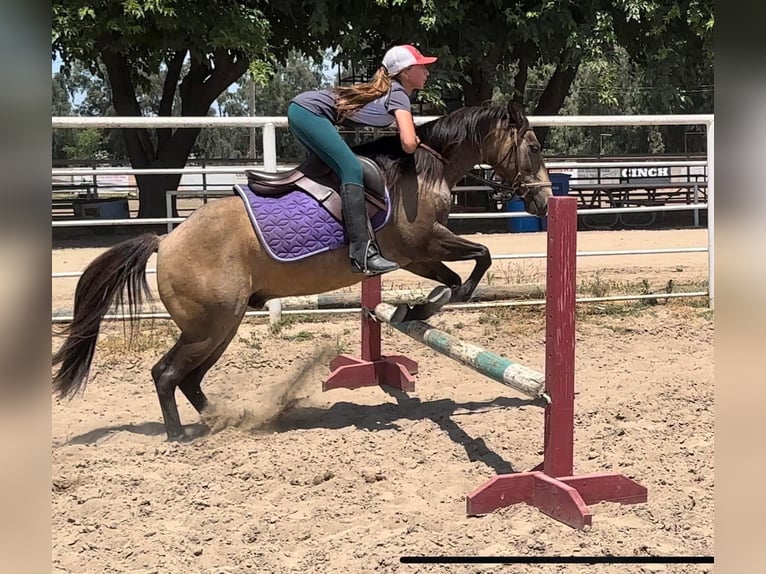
[{"x": 508, "y": 191}]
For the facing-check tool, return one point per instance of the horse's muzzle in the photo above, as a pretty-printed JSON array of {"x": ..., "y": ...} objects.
[{"x": 536, "y": 200}]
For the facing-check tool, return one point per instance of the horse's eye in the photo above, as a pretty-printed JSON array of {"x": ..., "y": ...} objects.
[{"x": 534, "y": 148}]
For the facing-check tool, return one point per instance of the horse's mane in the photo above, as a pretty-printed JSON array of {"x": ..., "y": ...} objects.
[{"x": 467, "y": 125}]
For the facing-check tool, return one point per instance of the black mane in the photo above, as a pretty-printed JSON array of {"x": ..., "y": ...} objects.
[
  {"x": 469, "y": 125},
  {"x": 466, "y": 125}
]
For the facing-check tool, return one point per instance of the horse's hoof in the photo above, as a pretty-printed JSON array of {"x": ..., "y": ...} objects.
[
  {"x": 186, "y": 435},
  {"x": 400, "y": 314},
  {"x": 439, "y": 297}
]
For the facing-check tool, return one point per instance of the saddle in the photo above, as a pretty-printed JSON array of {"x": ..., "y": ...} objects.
[{"x": 315, "y": 178}]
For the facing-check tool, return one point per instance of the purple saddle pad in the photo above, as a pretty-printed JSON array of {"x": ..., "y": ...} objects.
[{"x": 293, "y": 225}]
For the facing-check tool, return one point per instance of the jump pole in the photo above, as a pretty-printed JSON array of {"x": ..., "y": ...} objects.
[{"x": 497, "y": 368}]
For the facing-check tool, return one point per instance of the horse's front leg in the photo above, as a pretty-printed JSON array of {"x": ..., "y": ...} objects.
[
  {"x": 443, "y": 245},
  {"x": 437, "y": 271},
  {"x": 446, "y": 246}
]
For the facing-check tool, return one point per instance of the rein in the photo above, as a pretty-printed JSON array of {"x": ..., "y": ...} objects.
[{"x": 513, "y": 189}]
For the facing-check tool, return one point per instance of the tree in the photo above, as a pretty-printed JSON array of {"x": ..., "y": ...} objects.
[
  {"x": 672, "y": 42},
  {"x": 197, "y": 49},
  {"x": 61, "y": 105},
  {"x": 480, "y": 41},
  {"x": 270, "y": 98},
  {"x": 128, "y": 43},
  {"x": 87, "y": 143},
  {"x": 267, "y": 96},
  {"x": 609, "y": 85},
  {"x": 94, "y": 98}
]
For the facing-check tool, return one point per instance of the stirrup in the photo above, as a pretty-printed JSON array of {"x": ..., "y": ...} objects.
[{"x": 363, "y": 268}]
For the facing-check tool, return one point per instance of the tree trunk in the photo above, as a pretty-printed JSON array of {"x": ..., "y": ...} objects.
[
  {"x": 198, "y": 90},
  {"x": 154, "y": 187},
  {"x": 477, "y": 86},
  {"x": 555, "y": 93},
  {"x": 520, "y": 81}
]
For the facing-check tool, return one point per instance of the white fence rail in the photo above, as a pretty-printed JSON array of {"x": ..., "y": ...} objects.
[
  {"x": 281, "y": 121},
  {"x": 225, "y": 170},
  {"x": 269, "y": 125}
]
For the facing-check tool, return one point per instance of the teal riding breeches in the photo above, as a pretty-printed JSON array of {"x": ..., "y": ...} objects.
[{"x": 320, "y": 136}]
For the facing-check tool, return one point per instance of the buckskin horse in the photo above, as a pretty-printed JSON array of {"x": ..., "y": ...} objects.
[{"x": 220, "y": 261}]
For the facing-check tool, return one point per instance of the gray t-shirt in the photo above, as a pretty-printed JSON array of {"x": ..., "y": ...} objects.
[{"x": 378, "y": 113}]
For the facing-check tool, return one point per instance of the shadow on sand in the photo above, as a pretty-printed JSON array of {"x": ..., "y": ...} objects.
[{"x": 367, "y": 417}]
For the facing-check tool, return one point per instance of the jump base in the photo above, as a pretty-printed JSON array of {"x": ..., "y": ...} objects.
[
  {"x": 348, "y": 372},
  {"x": 565, "y": 499}
]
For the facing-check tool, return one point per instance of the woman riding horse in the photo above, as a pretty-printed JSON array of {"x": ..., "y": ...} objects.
[
  {"x": 312, "y": 117},
  {"x": 212, "y": 267}
]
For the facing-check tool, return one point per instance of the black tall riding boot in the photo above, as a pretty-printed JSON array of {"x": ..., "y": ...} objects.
[{"x": 363, "y": 250}]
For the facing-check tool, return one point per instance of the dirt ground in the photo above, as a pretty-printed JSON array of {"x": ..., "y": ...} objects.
[{"x": 293, "y": 479}]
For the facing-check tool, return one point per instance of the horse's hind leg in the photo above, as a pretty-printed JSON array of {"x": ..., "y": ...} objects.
[
  {"x": 191, "y": 385},
  {"x": 186, "y": 363},
  {"x": 204, "y": 281},
  {"x": 169, "y": 372}
]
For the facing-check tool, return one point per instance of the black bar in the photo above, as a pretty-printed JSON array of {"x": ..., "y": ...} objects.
[{"x": 556, "y": 560}]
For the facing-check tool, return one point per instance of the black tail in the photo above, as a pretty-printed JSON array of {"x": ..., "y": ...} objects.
[{"x": 121, "y": 268}]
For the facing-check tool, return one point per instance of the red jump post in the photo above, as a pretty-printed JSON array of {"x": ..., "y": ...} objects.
[{"x": 551, "y": 486}]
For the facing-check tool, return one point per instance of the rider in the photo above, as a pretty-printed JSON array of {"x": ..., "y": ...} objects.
[{"x": 313, "y": 115}]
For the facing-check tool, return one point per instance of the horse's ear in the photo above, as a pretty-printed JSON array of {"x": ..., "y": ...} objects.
[{"x": 518, "y": 119}]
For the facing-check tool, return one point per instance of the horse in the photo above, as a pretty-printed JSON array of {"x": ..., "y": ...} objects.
[{"x": 212, "y": 267}]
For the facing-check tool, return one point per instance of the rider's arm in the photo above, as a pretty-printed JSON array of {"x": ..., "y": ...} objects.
[{"x": 407, "y": 135}]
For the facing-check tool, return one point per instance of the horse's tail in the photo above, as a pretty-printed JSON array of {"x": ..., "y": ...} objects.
[{"x": 121, "y": 268}]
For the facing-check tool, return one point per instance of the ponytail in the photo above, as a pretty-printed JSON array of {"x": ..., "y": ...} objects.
[{"x": 350, "y": 98}]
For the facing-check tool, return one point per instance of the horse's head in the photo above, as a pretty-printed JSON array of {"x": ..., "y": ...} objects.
[{"x": 515, "y": 154}]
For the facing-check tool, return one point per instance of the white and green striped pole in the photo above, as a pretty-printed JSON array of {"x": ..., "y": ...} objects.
[{"x": 500, "y": 369}]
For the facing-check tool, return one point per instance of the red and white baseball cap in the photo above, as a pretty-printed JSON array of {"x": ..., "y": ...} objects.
[{"x": 400, "y": 57}]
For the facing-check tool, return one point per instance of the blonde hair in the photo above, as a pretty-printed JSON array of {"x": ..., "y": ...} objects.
[{"x": 348, "y": 99}]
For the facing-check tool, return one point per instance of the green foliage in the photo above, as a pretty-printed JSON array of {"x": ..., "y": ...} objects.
[
  {"x": 150, "y": 31},
  {"x": 193, "y": 49},
  {"x": 61, "y": 105},
  {"x": 87, "y": 143},
  {"x": 93, "y": 97},
  {"x": 178, "y": 57},
  {"x": 484, "y": 44},
  {"x": 266, "y": 95},
  {"x": 616, "y": 85}
]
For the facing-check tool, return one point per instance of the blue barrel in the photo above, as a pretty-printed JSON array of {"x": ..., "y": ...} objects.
[
  {"x": 560, "y": 183},
  {"x": 520, "y": 224},
  {"x": 560, "y": 186}
]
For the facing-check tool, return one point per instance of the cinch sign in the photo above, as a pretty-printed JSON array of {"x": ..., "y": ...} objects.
[{"x": 635, "y": 172}]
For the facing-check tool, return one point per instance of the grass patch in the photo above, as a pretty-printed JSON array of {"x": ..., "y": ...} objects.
[
  {"x": 253, "y": 341},
  {"x": 585, "y": 311},
  {"x": 596, "y": 286},
  {"x": 341, "y": 346},
  {"x": 299, "y": 336},
  {"x": 288, "y": 320},
  {"x": 521, "y": 272},
  {"x": 117, "y": 345}
]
